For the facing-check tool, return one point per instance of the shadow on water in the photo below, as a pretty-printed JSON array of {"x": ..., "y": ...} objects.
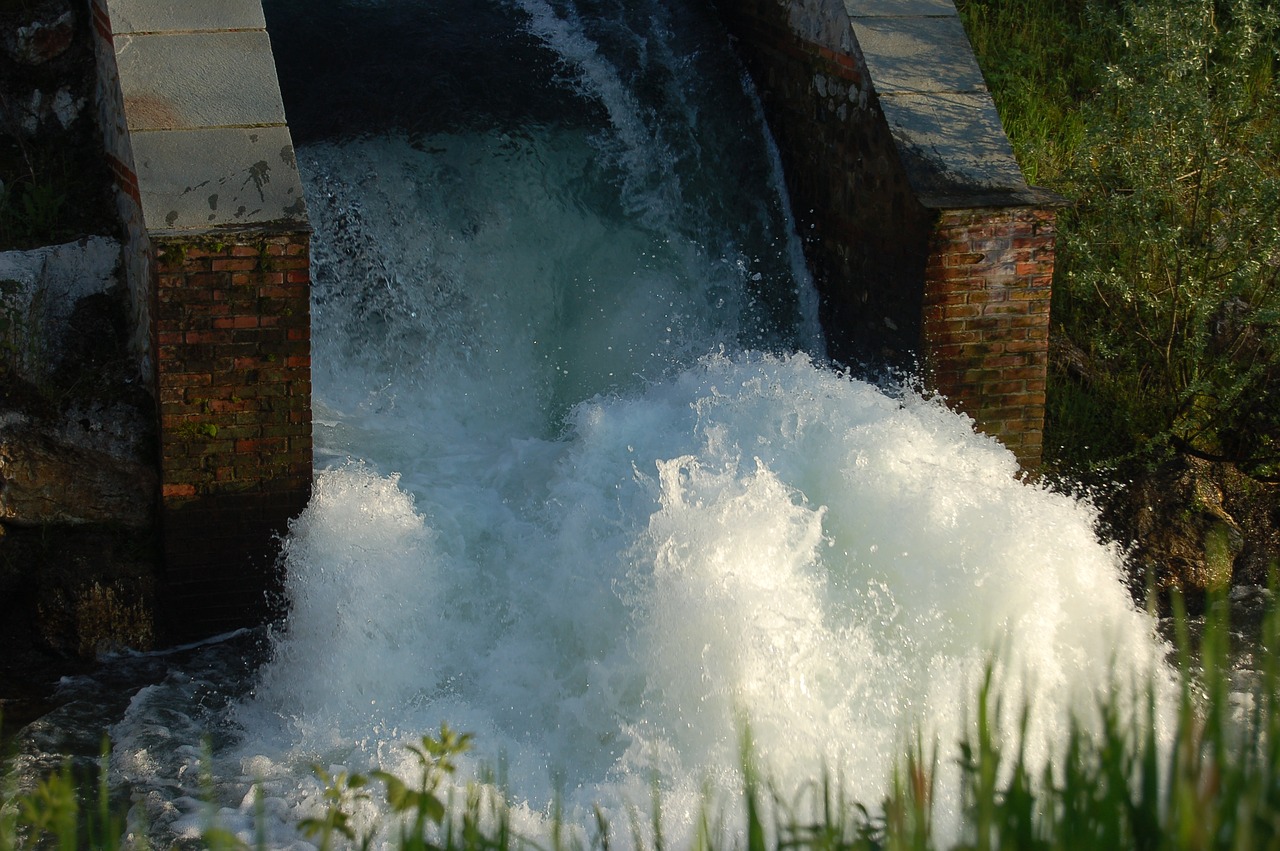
[
  {"x": 416, "y": 67},
  {"x": 209, "y": 675}
]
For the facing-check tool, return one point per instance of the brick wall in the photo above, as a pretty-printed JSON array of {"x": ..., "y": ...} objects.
[
  {"x": 985, "y": 340},
  {"x": 232, "y": 324},
  {"x": 221, "y": 302}
]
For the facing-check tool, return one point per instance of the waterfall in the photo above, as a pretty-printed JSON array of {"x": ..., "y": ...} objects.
[{"x": 586, "y": 486}]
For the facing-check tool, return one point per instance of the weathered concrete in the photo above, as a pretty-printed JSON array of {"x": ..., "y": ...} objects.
[
  {"x": 936, "y": 103},
  {"x": 180, "y": 80},
  {"x": 39, "y": 290},
  {"x": 929, "y": 249},
  {"x": 218, "y": 263},
  {"x": 215, "y": 178},
  {"x": 175, "y": 16}
]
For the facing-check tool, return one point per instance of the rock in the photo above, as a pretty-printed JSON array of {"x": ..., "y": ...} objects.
[
  {"x": 48, "y": 481},
  {"x": 40, "y": 110},
  {"x": 66, "y": 108},
  {"x": 39, "y": 291},
  {"x": 1199, "y": 527},
  {"x": 42, "y": 40},
  {"x": 93, "y": 619}
]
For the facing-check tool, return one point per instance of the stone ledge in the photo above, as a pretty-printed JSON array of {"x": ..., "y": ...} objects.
[
  {"x": 900, "y": 8},
  {"x": 952, "y": 143},
  {"x": 952, "y": 146},
  {"x": 188, "y": 80},
  {"x": 150, "y": 16},
  {"x": 219, "y": 177},
  {"x": 918, "y": 54}
]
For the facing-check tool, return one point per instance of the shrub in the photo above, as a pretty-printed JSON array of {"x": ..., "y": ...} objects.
[{"x": 1172, "y": 256}]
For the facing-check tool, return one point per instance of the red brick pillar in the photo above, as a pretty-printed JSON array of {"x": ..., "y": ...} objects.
[
  {"x": 233, "y": 366},
  {"x": 985, "y": 329}
]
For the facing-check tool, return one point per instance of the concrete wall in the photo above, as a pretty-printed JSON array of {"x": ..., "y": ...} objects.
[
  {"x": 928, "y": 248},
  {"x": 217, "y": 261}
]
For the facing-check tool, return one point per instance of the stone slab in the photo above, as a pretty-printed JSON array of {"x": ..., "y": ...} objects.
[
  {"x": 900, "y": 8},
  {"x": 218, "y": 177},
  {"x": 198, "y": 80},
  {"x": 918, "y": 55},
  {"x": 167, "y": 16},
  {"x": 953, "y": 144}
]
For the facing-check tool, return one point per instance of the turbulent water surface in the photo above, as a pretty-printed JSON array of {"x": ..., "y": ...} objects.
[{"x": 586, "y": 487}]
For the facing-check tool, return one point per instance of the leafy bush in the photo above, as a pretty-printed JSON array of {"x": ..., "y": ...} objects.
[
  {"x": 1172, "y": 256},
  {"x": 1161, "y": 120}
]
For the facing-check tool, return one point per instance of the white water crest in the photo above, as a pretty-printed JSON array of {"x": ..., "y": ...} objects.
[{"x": 580, "y": 493}]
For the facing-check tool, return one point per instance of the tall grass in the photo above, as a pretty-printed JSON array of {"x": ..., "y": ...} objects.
[
  {"x": 1041, "y": 60},
  {"x": 1215, "y": 783}
]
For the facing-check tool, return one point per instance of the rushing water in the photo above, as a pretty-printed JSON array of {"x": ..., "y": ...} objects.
[{"x": 585, "y": 485}]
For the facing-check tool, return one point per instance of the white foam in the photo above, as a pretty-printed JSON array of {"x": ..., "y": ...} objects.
[{"x": 756, "y": 537}]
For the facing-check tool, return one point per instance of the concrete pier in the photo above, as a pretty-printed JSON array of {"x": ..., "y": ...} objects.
[{"x": 218, "y": 268}]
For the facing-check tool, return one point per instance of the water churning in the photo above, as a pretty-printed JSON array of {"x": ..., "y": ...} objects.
[{"x": 588, "y": 489}]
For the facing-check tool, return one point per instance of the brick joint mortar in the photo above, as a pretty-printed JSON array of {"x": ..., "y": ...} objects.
[
  {"x": 985, "y": 319},
  {"x": 234, "y": 366}
]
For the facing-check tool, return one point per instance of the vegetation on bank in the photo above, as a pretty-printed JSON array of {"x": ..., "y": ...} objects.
[
  {"x": 1214, "y": 782},
  {"x": 1160, "y": 119}
]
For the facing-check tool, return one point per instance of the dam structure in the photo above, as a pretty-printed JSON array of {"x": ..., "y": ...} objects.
[
  {"x": 929, "y": 250},
  {"x": 217, "y": 263}
]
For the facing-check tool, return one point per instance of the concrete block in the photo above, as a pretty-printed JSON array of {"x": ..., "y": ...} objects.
[
  {"x": 39, "y": 291},
  {"x": 918, "y": 54},
  {"x": 218, "y": 177},
  {"x": 198, "y": 80},
  {"x": 952, "y": 142},
  {"x": 150, "y": 16},
  {"x": 900, "y": 8}
]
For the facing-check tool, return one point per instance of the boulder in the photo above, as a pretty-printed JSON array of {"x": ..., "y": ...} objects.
[
  {"x": 44, "y": 480},
  {"x": 1199, "y": 527}
]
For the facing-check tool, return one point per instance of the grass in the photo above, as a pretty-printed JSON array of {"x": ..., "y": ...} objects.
[
  {"x": 1116, "y": 783},
  {"x": 1041, "y": 60}
]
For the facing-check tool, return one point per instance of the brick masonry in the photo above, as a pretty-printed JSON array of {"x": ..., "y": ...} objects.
[
  {"x": 954, "y": 285},
  {"x": 217, "y": 260},
  {"x": 985, "y": 338},
  {"x": 234, "y": 387}
]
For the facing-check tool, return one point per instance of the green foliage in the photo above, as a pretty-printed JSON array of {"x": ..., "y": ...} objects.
[
  {"x": 1172, "y": 256},
  {"x": 1214, "y": 783},
  {"x": 34, "y": 209},
  {"x": 1041, "y": 60},
  {"x": 1161, "y": 120},
  {"x": 54, "y": 814},
  {"x": 422, "y": 805},
  {"x": 341, "y": 792}
]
